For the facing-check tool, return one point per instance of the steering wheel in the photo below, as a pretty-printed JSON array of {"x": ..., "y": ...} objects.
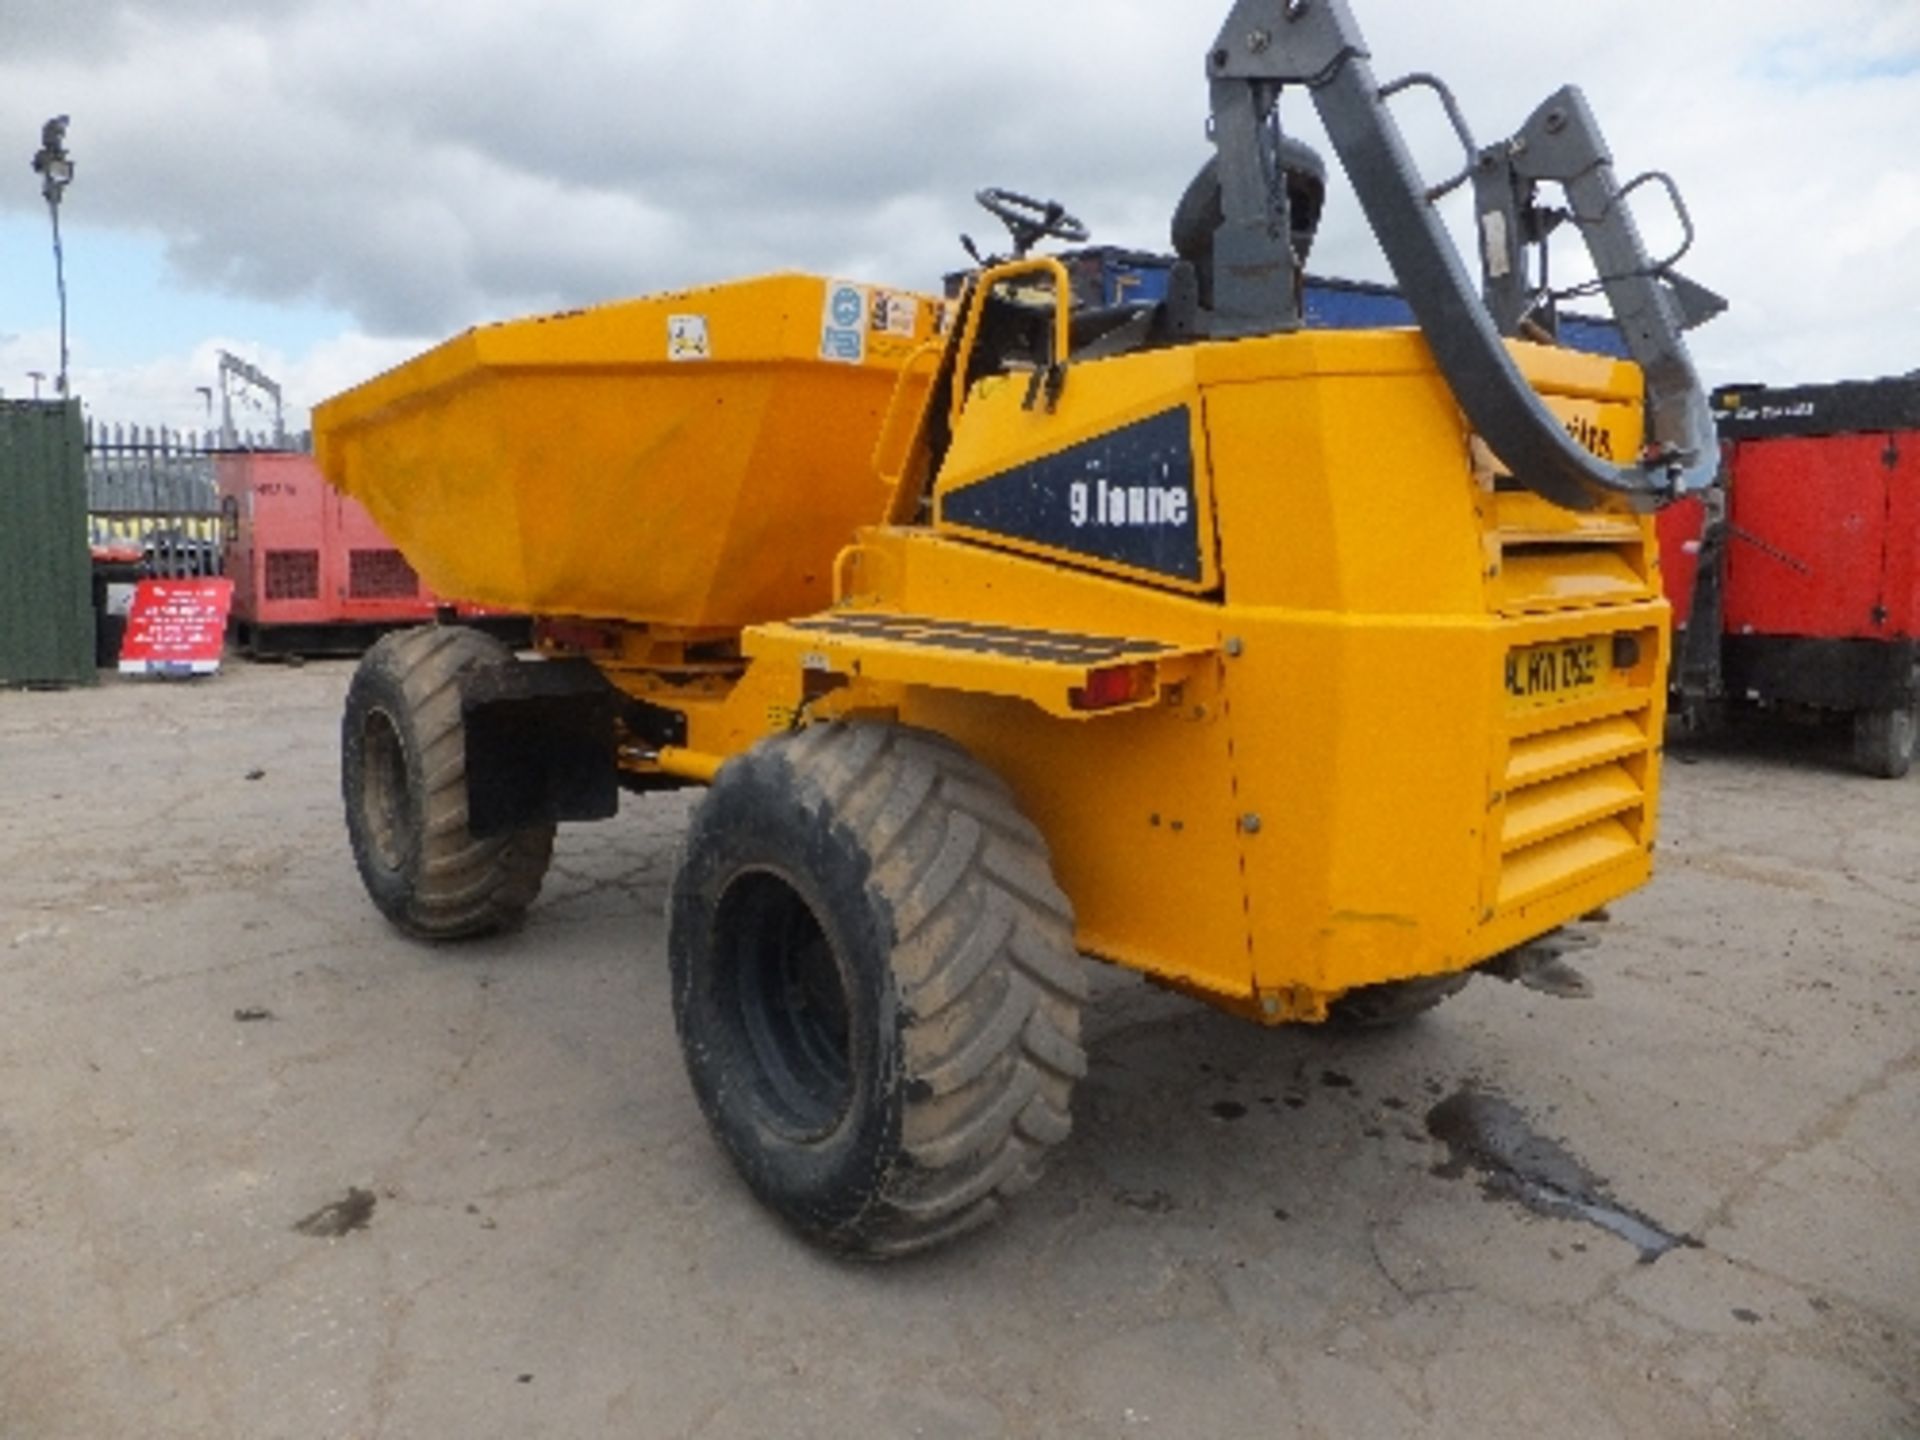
[{"x": 1029, "y": 219}]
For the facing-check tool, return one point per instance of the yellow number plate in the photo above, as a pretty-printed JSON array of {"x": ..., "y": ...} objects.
[{"x": 1550, "y": 674}]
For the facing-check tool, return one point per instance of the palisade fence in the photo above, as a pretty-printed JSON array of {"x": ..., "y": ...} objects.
[{"x": 151, "y": 491}]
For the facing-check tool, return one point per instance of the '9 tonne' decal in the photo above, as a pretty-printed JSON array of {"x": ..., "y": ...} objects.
[{"x": 1126, "y": 496}]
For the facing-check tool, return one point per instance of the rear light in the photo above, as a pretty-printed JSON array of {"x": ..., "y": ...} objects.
[{"x": 1113, "y": 685}]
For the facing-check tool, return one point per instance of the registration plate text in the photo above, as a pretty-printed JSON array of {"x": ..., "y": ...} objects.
[{"x": 1548, "y": 674}]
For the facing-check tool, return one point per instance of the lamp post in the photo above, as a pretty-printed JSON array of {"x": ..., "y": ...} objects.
[
  {"x": 36, "y": 376},
  {"x": 55, "y": 168}
]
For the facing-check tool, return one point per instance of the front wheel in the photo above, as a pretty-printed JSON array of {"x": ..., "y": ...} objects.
[
  {"x": 403, "y": 778},
  {"x": 1884, "y": 741},
  {"x": 875, "y": 985}
]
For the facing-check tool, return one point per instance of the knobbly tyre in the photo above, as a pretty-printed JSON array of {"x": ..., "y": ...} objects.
[{"x": 1306, "y": 673}]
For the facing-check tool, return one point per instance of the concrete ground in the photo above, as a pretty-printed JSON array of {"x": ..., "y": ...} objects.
[{"x": 207, "y": 1037}]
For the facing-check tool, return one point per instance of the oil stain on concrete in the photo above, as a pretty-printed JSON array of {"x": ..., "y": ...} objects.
[
  {"x": 1490, "y": 1135},
  {"x": 349, "y": 1213}
]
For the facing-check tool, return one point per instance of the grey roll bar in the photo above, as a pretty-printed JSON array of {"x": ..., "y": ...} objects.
[{"x": 1267, "y": 45}]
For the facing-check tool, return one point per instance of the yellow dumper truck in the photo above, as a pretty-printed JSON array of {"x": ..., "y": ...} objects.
[{"x": 1307, "y": 673}]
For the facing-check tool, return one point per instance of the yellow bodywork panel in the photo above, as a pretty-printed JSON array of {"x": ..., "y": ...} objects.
[
  {"x": 1006, "y": 426},
  {"x": 694, "y": 459},
  {"x": 1371, "y": 703}
]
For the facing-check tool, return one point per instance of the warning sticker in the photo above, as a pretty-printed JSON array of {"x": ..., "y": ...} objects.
[
  {"x": 687, "y": 338},
  {"x": 895, "y": 314},
  {"x": 843, "y": 328}
]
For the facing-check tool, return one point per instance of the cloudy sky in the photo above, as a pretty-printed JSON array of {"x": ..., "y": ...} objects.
[{"x": 327, "y": 186}]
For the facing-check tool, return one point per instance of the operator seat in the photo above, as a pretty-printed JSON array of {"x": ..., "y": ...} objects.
[
  {"x": 1200, "y": 212},
  {"x": 1118, "y": 329}
]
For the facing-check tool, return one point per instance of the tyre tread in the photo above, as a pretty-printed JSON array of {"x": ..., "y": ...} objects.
[
  {"x": 462, "y": 885},
  {"x": 991, "y": 1011}
]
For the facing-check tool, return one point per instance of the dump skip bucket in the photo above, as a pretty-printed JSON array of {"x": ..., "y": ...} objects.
[{"x": 694, "y": 459}]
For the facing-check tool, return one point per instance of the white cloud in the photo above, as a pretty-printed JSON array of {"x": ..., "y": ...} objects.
[
  {"x": 23, "y": 355},
  {"x": 426, "y": 164},
  {"x": 163, "y": 391}
]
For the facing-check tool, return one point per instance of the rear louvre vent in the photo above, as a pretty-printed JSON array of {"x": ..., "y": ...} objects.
[
  {"x": 1572, "y": 801},
  {"x": 293, "y": 575},
  {"x": 1552, "y": 559},
  {"x": 1575, "y": 804},
  {"x": 380, "y": 575}
]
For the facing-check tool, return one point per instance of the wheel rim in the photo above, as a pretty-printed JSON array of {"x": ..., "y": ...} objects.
[
  {"x": 383, "y": 790},
  {"x": 784, "y": 994}
]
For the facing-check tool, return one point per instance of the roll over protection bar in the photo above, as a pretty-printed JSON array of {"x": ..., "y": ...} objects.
[{"x": 1267, "y": 45}]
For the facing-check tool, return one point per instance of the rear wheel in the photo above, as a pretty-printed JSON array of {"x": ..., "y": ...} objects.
[
  {"x": 403, "y": 779},
  {"x": 1884, "y": 741},
  {"x": 1394, "y": 1002},
  {"x": 875, "y": 985}
]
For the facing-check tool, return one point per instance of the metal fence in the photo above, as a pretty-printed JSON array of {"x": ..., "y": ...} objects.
[{"x": 151, "y": 491}]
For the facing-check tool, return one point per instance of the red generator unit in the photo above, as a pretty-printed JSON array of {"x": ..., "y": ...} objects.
[
  {"x": 1798, "y": 584},
  {"x": 312, "y": 574}
]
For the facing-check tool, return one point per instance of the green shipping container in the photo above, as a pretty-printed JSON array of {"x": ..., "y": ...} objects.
[{"x": 46, "y": 594}]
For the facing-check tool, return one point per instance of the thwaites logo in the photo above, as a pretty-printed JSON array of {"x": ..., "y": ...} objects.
[
  {"x": 1126, "y": 496},
  {"x": 1595, "y": 439}
]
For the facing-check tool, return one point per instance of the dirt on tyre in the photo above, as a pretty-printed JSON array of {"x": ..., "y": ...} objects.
[
  {"x": 1884, "y": 741},
  {"x": 1394, "y": 1002},
  {"x": 403, "y": 779},
  {"x": 875, "y": 985}
]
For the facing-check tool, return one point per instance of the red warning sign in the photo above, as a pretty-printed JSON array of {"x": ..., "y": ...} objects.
[{"x": 176, "y": 627}]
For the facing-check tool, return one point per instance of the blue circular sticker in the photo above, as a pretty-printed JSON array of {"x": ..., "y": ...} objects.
[{"x": 846, "y": 306}]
